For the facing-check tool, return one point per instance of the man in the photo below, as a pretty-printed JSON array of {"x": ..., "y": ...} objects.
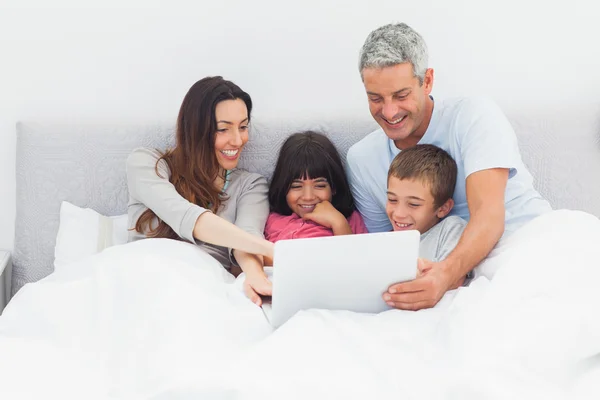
[{"x": 494, "y": 191}]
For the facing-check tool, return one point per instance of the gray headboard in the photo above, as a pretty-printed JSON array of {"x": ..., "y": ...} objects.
[{"x": 85, "y": 165}]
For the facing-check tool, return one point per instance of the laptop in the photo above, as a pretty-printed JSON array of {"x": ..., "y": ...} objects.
[{"x": 349, "y": 272}]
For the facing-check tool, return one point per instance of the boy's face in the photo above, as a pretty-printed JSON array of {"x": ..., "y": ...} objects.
[{"x": 410, "y": 205}]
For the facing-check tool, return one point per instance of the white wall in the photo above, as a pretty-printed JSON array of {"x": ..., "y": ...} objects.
[{"x": 134, "y": 60}]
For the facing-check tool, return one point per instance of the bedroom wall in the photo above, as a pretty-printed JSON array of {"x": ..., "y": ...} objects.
[{"x": 134, "y": 60}]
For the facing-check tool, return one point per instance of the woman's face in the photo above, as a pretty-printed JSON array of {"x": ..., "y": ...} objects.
[
  {"x": 305, "y": 194},
  {"x": 232, "y": 132}
]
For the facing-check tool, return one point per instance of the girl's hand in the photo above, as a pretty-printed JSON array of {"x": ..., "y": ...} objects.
[
  {"x": 325, "y": 214},
  {"x": 257, "y": 284}
]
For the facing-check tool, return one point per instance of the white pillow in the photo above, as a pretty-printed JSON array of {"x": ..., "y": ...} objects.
[{"x": 83, "y": 232}]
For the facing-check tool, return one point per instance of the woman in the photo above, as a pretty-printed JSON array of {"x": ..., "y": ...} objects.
[{"x": 194, "y": 191}]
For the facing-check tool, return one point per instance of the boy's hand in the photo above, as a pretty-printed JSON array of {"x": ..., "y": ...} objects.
[{"x": 325, "y": 214}]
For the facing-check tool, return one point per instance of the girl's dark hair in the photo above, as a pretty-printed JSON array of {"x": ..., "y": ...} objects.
[
  {"x": 309, "y": 155},
  {"x": 193, "y": 162}
]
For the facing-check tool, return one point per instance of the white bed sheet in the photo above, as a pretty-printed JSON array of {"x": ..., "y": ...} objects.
[{"x": 159, "y": 319}]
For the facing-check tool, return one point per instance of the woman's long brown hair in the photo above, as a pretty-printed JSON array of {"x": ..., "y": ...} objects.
[{"x": 193, "y": 161}]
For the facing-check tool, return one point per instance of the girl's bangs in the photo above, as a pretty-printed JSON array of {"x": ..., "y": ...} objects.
[{"x": 310, "y": 166}]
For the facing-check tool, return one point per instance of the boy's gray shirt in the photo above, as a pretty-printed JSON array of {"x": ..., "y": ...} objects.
[{"x": 442, "y": 238}]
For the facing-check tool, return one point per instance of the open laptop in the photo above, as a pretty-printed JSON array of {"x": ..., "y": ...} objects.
[{"x": 349, "y": 272}]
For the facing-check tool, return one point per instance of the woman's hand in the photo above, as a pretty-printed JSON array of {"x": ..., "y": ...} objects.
[
  {"x": 268, "y": 261},
  {"x": 327, "y": 215},
  {"x": 257, "y": 284}
]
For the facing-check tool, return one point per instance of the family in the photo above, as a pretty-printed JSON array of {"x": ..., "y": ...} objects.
[{"x": 450, "y": 169}]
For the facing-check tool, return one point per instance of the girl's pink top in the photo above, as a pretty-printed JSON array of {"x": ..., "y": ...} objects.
[{"x": 280, "y": 227}]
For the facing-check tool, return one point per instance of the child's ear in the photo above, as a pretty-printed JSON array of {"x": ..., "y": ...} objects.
[{"x": 445, "y": 208}]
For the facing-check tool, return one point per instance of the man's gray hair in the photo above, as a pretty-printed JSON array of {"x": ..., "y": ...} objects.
[{"x": 394, "y": 44}]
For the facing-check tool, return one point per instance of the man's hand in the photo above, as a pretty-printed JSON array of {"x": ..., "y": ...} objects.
[
  {"x": 432, "y": 282},
  {"x": 257, "y": 284}
]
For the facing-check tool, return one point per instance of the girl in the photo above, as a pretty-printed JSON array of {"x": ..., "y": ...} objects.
[
  {"x": 195, "y": 192},
  {"x": 309, "y": 193}
]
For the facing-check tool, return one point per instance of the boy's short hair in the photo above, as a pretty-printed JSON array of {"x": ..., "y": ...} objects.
[{"x": 428, "y": 163}]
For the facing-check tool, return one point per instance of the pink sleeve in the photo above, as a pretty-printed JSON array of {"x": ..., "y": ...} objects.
[
  {"x": 281, "y": 227},
  {"x": 272, "y": 228},
  {"x": 357, "y": 224}
]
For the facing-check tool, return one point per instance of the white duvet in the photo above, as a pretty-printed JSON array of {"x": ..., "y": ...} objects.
[{"x": 159, "y": 319}]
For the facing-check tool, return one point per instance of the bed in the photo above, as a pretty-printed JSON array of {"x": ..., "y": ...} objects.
[{"x": 91, "y": 321}]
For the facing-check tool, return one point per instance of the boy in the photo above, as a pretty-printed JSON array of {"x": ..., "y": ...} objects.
[{"x": 421, "y": 181}]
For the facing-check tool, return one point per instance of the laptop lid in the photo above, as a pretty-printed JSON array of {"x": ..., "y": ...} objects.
[{"x": 349, "y": 272}]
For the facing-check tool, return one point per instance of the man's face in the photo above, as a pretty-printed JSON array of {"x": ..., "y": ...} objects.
[{"x": 398, "y": 102}]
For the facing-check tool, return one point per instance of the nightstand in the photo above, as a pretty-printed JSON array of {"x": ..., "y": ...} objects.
[{"x": 5, "y": 278}]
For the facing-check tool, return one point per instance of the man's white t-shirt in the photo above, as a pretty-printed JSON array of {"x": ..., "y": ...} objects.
[{"x": 475, "y": 132}]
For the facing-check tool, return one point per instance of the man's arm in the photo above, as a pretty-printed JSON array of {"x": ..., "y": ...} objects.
[
  {"x": 374, "y": 217},
  {"x": 485, "y": 197}
]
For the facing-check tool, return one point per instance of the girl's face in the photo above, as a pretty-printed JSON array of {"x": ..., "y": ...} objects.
[
  {"x": 305, "y": 194},
  {"x": 232, "y": 132}
]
